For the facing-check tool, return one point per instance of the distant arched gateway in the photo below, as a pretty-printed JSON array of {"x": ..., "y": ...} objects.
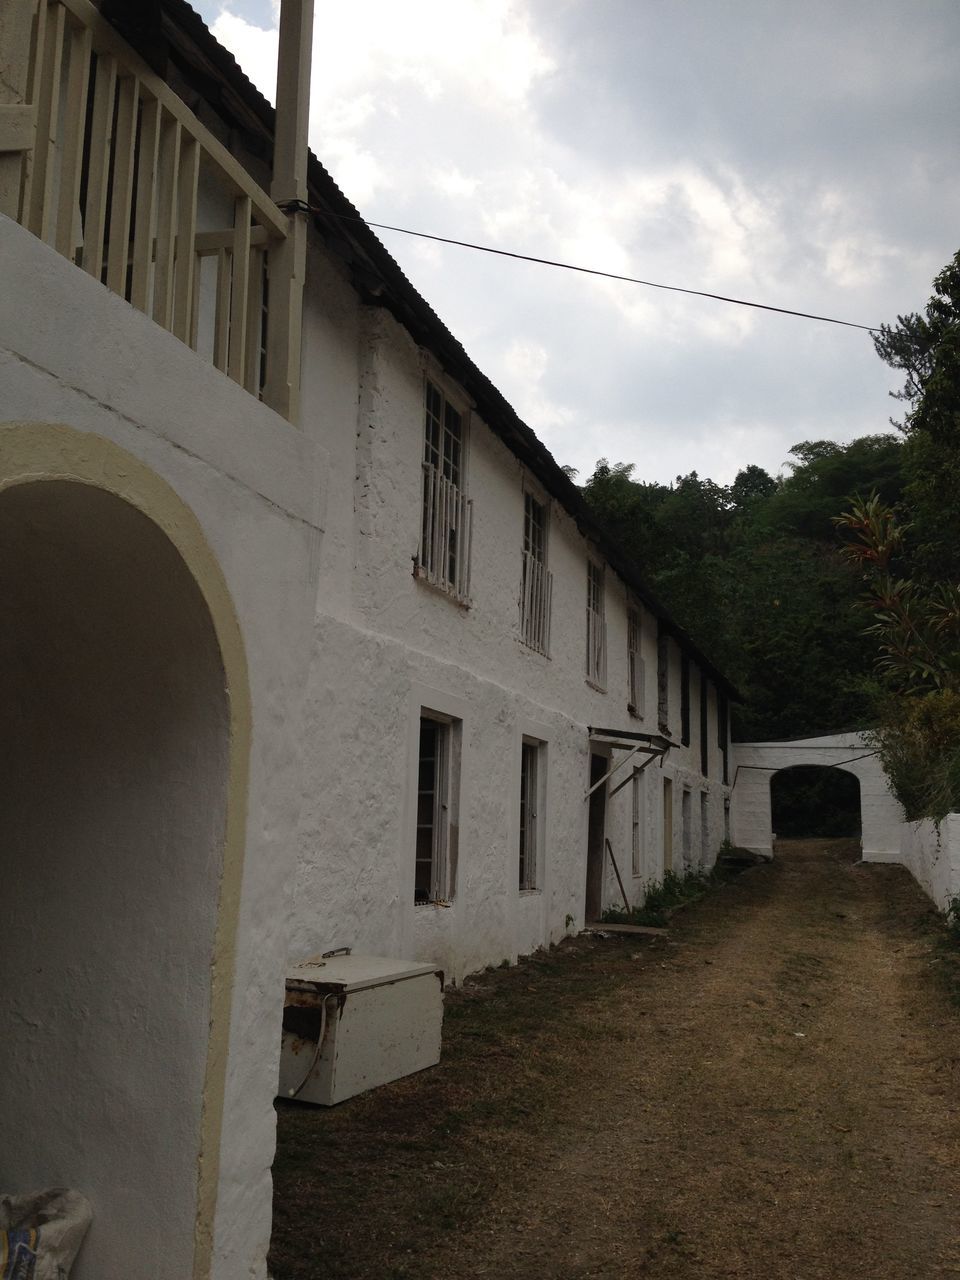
[{"x": 756, "y": 763}]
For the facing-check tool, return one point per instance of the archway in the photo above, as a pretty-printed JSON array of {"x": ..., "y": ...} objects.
[
  {"x": 755, "y": 762},
  {"x": 814, "y": 801},
  {"x": 116, "y": 722}
]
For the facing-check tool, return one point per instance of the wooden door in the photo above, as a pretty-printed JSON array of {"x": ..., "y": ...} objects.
[{"x": 667, "y": 825}]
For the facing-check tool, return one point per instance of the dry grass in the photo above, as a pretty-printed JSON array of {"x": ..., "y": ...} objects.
[{"x": 768, "y": 1093}]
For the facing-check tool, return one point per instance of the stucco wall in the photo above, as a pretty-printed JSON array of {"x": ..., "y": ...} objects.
[
  {"x": 387, "y": 645},
  {"x": 113, "y": 709},
  {"x": 931, "y": 852},
  {"x": 754, "y": 764},
  {"x": 71, "y": 353}
]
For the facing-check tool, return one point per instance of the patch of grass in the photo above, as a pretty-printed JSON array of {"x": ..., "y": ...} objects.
[{"x": 665, "y": 896}]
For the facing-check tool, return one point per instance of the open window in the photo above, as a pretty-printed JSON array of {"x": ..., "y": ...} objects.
[{"x": 436, "y": 844}]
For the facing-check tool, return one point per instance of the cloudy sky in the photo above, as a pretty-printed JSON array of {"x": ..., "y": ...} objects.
[{"x": 803, "y": 155}]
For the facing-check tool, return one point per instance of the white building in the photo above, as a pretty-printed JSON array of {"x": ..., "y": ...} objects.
[{"x": 289, "y": 662}]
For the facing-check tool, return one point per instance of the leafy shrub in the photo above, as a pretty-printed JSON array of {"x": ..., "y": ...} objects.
[
  {"x": 918, "y": 743},
  {"x": 660, "y": 898}
]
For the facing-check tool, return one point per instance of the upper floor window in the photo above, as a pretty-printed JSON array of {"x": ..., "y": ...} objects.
[
  {"x": 447, "y": 517},
  {"x": 635, "y": 667},
  {"x": 536, "y": 582},
  {"x": 663, "y": 681},
  {"x": 596, "y": 627},
  {"x": 684, "y": 699}
]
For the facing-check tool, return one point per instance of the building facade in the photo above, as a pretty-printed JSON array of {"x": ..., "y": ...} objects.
[{"x": 310, "y": 641}]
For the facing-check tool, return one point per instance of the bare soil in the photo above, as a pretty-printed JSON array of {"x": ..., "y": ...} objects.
[{"x": 769, "y": 1092}]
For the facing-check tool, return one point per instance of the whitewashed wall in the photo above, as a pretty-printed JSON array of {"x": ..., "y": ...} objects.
[
  {"x": 755, "y": 763},
  {"x": 387, "y": 645},
  {"x": 71, "y": 353},
  {"x": 931, "y": 851}
]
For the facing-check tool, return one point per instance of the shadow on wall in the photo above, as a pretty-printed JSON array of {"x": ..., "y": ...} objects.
[
  {"x": 114, "y": 710},
  {"x": 814, "y": 801}
]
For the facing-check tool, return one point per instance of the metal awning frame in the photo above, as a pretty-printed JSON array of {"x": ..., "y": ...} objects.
[{"x": 633, "y": 743}]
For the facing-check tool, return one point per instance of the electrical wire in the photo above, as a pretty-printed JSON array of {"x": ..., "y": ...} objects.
[{"x": 291, "y": 206}]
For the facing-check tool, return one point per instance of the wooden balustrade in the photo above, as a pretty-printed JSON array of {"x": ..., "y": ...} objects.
[{"x": 101, "y": 159}]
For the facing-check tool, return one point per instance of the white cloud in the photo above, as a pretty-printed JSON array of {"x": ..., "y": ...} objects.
[{"x": 540, "y": 127}]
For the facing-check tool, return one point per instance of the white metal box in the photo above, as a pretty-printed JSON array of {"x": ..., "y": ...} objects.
[{"x": 351, "y": 1023}]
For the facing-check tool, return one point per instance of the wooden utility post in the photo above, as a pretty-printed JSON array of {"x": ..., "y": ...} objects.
[
  {"x": 17, "y": 117},
  {"x": 288, "y": 259}
]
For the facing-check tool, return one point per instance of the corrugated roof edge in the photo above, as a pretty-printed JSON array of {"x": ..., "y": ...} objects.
[{"x": 415, "y": 313}]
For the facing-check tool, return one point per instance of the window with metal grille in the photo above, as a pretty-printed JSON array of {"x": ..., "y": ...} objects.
[
  {"x": 536, "y": 581},
  {"x": 447, "y": 517},
  {"x": 529, "y": 812},
  {"x": 635, "y": 667},
  {"x": 432, "y": 873},
  {"x": 596, "y": 627}
]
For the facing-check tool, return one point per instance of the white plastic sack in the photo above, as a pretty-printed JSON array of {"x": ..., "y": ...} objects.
[{"x": 40, "y": 1233}]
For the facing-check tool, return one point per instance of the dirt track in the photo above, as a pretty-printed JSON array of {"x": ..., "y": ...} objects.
[{"x": 773, "y": 1093}]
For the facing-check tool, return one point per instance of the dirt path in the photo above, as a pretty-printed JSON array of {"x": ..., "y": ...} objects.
[{"x": 773, "y": 1093}]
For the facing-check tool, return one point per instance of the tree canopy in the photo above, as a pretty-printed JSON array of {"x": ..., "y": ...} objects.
[{"x": 753, "y": 572}]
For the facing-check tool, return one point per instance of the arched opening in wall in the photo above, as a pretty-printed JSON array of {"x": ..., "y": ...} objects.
[
  {"x": 814, "y": 801},
  {"x": 115, "y": 724}
]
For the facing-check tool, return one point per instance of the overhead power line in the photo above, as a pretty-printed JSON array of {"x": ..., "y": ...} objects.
[{"x": 590, "y": 271}]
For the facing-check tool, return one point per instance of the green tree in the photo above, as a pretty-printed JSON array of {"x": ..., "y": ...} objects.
[
  {"x": 925, "y": 347},
  {"x": 754, "y": 573}
]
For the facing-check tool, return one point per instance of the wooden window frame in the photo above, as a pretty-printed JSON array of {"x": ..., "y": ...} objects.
[{"x": 596, "y": 654}]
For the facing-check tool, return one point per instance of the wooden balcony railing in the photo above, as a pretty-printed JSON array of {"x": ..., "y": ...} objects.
[{"x": 114, "y": 171}]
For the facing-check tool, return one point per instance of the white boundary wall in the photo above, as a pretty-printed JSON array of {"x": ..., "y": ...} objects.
[
  {"x": 929, "y": 850},
  {"x": 754, "y": 764}
]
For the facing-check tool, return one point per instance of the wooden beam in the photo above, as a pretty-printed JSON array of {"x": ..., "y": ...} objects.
[
  {"x": 17, "y": 127},
  {"x": 16, "y": 28},
  {"x": 71, "y": 153},
  {"x": 287, "y": 261},
  {"x": 107, "y": 41}
]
